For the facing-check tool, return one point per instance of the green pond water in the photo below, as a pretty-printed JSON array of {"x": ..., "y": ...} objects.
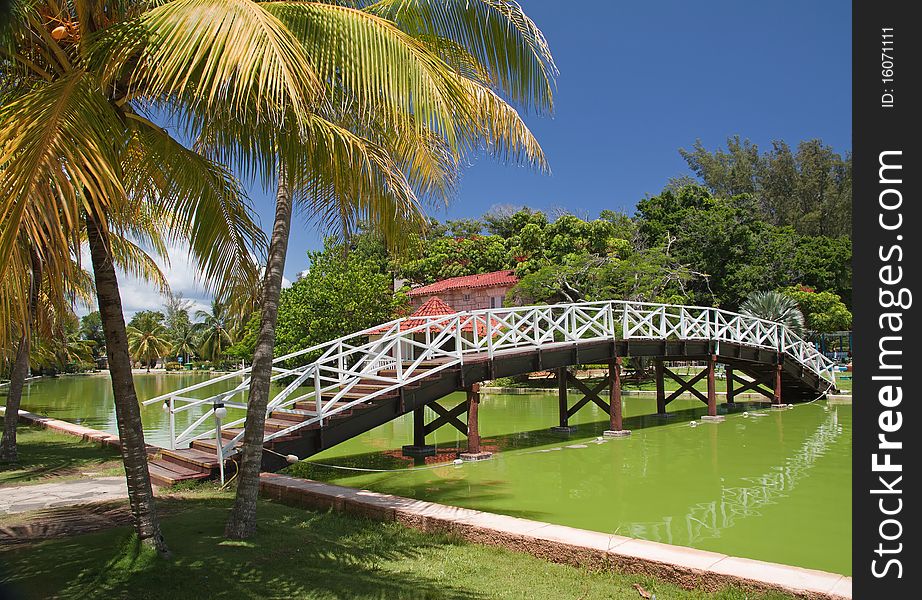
[{"x": 774, "y": 487}]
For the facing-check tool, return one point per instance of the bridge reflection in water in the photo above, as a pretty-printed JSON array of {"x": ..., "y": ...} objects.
[{"x": 708, "y": 519}]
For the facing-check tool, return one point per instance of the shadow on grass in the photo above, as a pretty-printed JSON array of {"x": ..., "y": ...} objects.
[
  {"x": 296, "y": 554},
  {"x": 44, "y": 454}
]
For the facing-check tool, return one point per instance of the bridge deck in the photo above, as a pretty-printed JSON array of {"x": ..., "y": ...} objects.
[{"x": 443, "y": 376}]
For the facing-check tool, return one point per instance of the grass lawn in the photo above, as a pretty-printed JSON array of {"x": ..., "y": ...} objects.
[
  {"x": 302, "y": 554},
  {"x": 45, "y": 454}
]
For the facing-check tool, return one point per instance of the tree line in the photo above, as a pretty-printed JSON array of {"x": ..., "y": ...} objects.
[{"x": 693, "y": 243}]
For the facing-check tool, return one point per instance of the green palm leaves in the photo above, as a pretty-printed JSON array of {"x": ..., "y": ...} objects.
[
  {"x": 148, "y": 342},
  {"x": 215, "y": 330},
  {"x": 775, "y": 306}
]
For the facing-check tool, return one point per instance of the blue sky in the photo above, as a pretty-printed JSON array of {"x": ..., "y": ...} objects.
[{"x": 638, "y": 80}]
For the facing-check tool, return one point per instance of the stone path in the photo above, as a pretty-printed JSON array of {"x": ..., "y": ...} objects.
[{"x": 65, "y": 493}]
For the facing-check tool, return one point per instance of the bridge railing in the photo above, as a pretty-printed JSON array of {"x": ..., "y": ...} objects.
[{"x": 405, "y": 350}]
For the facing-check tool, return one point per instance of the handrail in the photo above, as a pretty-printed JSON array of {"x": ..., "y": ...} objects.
[{"x": 377, "y": 353}]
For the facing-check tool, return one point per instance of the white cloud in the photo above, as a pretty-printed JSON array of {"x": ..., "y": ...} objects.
[{"x": 181, "y": 273}]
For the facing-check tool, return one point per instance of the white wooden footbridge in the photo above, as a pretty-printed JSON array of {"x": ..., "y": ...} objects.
[{"x": 337, "y": 390}]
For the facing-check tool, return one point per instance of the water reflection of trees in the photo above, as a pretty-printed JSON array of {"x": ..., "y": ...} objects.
[{"x": 706, "y": 520}]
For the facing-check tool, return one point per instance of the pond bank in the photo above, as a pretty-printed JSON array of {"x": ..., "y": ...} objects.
[{"x": 687, "y": 567}]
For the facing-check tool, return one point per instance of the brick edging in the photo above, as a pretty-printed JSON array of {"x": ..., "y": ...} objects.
[
  {"x": 687, "y": 567},
  {"x": 87, "y": 434}
]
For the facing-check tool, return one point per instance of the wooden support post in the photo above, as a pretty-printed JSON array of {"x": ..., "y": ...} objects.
[
  {"x": 616, "y": 419},
  {"x": 731, "y": 395},
  {"x": 712, "y": 391},
  {"x": 712, "y": 387},
  {"x": 419, "y": 446},
  {"x": 660, "y": 388},
  {"x": 419, "y": 426},
  {"x": 563, "y": 425},
  {"x": 474, "y": 451},
  {"x": 473, "y": 429},
  {"x": 776, "y": 399}
]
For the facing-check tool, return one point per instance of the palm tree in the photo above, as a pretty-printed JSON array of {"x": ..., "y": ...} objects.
[
  {"x": 20, "y": 367},
  {"x": 459, "y": 56},
  {"x": 49, "y": 318},
  {"x": 148, "y": 342},
  {"x": 76, "y": 147},
  {"x": 185, "y": 340},
  {"x": 216, "y": 331},
  {"x": 775, "y": 306}
]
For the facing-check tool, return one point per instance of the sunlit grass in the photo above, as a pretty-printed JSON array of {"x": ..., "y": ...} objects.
[
  {"x": 303, "y": 554},
  {"x": 44, "y": 455}
]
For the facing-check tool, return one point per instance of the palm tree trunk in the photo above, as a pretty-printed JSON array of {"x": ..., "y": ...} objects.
[
  {"x": 8, "y": 449},
  {"x": 242, "y": 521},
  {"x": 127, "y": 409}
]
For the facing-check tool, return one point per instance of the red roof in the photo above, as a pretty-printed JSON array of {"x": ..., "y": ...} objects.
[
  {"x": 505, "y": 278},
  {"x": 434, "y": 307}
]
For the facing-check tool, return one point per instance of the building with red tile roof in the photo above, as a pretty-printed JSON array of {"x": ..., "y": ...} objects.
[
  {"x": 468, "y": 292},
  {"x": 433, "y": 307}
]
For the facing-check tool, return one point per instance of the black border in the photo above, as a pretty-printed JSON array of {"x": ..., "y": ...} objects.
[{"x": 877, "y": 129}]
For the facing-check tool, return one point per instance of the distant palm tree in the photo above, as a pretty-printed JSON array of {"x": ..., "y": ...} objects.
[
  {"x": 216, "y": 330},
  {"x": 775, "y": 306},
  {"x": 148, "y": 342},
  {"x": 185, "y": 341}
]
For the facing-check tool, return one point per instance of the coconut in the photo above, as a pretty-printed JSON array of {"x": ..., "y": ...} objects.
[{"x": 59, "y": 33}]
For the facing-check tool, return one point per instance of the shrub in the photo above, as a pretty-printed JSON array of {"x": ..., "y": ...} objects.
[{"x": 173, "y": 366}]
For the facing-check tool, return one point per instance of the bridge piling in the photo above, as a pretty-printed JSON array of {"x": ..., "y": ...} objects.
[
  {"x": 419, "y": 446},
  {"x": 660, "y": 388},
  {"x": 474, "y": 451},
  {"x": 712, "y": 390},
  {"x": 616, "y": 421},
  {"x": 776, "y": 397},
  {"x": 731, "y": 395},
  {"x": 563, "y": 425}
]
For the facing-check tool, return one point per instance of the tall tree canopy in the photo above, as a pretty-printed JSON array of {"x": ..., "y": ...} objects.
[{"x": 809, "y": 189}]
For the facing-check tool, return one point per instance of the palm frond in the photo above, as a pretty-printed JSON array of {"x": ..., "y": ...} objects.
[
  {"x": 500, "y": 129},
  {"x": 132, "y": 259},
  {"x": 497, "y": 33},
  {"x": 58, "y": 150},
  {"x": 205, "y": 203},
  {"x": 376, "y": 65},
  {"x": 343, "y": 179},
  {"x": 230, "y": 53}
]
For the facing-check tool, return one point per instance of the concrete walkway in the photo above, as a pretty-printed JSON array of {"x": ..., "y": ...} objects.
[{"x": 65, "y": 493}]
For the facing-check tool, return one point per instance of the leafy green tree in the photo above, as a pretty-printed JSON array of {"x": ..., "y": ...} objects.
[
  {"x": 824, "y": 312},
  {"x": 448, "y": 256},
  {"x": 809, "y": 190},
  {"x": 91, "y": 330},
  {"x": 732, "y": 250},
  {"x": 824, "y": 263},
  {"x": 506, "y": 221},
  {"x": 245, "y": 345},
  {"x": 340, "y": 294}
]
